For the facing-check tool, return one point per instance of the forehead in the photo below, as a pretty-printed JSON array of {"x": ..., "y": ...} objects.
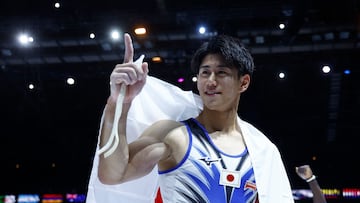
[{"x": 213, "y": 59}]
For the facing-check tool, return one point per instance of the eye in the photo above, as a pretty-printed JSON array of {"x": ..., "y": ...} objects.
[
  {"x": 204, "y": 72},
  {"x": 223, "y": 72}
]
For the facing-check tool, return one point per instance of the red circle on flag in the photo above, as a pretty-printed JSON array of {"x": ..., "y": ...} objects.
[{"x": 230, "y": 177}]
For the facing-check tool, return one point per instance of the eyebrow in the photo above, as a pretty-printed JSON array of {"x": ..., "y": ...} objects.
[{"x": 218, "y": 66}]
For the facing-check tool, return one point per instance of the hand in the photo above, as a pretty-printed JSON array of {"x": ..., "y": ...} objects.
[
  {"x": 128, "y": 73},
  {"x": 304, "y": 172}
]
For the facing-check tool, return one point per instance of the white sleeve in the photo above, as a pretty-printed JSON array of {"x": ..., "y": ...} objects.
[{"x": 158, "y": 100}]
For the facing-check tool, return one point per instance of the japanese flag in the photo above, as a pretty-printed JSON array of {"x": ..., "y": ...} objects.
[{"x": 230, "y": 178}]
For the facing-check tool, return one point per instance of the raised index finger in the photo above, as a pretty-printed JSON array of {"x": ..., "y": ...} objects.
[{"x": 129, "y": 49}]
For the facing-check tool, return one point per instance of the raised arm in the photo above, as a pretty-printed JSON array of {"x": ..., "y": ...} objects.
[
  {"x": 112, "y": 168},
  {"x": 305, "y": 173}
]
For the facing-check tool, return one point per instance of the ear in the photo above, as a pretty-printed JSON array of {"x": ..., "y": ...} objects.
[{"x": 244, "y": 83}]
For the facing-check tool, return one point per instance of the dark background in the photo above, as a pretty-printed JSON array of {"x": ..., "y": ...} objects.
[{"x": 50, "y": 132}]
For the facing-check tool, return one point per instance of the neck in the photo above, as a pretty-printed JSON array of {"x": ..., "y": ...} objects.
[{"x": 219, "y": 121}]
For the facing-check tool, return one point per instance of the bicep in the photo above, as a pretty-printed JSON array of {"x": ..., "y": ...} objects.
[
  {"x": 144, "y": 156},
  {"x": 149, "y": 148}
]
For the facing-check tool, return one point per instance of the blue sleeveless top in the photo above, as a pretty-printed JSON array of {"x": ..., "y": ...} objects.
[{"x": 206, "y": 174}]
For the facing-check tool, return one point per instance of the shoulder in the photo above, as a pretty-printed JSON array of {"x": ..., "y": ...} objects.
[
  {"x": 176, "y": 138},
  {"x": 244, "y": 125},
  {"x": 161, "y": 128},
  {"x": 167, "y": 125},
  {"x": 253, "y": 135}
]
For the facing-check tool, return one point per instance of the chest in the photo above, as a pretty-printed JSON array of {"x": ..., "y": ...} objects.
[{"x": 229, "y": 144}]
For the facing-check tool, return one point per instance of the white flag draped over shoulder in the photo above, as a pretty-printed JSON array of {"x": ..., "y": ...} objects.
[{"x": 158, "y": 100}]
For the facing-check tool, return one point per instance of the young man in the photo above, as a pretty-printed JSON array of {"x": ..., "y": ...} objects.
[{"x": 214, "y": 157}]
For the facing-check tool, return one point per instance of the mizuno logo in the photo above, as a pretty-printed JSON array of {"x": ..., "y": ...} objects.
[{"x": 209, "y": 161}]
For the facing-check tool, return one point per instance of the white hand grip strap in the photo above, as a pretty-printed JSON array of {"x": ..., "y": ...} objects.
[{"x": 114, "y": 136}]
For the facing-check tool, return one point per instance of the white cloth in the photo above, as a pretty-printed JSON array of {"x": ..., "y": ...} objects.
[
  {"x": 161, "y": 100},
  {"x": 158, "y": 100},
  {"x": 271, "y": 178}
]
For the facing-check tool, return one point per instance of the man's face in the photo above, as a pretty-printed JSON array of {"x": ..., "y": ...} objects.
[{"x": 217, "y": 83}]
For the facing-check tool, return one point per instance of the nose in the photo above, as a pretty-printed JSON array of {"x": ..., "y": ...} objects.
[{"x": 211, "y": 80}]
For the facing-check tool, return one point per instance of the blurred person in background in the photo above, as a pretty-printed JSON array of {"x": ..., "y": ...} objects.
[{"x": 305, "y": 173}]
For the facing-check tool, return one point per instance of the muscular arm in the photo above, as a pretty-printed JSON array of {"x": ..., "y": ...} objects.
[
  {"x": 130, "y": 161},
  {"x": 111, "y": 169},
  {"x": 150, "y": 149},
  {"x": 134, "y": 160}
]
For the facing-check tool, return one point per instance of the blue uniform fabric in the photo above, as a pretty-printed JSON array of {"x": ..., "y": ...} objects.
[{"x": 207, "y": 174}]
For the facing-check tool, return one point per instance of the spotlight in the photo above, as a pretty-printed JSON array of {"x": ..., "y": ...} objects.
[
  {"x": 202, "y": 30},
  {"x": 140, "y": 31}
]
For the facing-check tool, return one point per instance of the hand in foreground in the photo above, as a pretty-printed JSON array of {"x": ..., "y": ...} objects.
[{"x": 128, "y": 73}]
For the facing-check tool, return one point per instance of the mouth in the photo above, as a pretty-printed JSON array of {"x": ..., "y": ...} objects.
[{"x": 210, "y": 93}]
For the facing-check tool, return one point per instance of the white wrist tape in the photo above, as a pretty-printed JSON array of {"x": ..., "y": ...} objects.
[{"x": 313, "y": 177}]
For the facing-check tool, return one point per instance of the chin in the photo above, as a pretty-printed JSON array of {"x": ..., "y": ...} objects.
[{"x": 212, "y": 106}]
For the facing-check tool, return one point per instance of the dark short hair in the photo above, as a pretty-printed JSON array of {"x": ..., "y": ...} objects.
[{"x": 231, "y": 48}]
